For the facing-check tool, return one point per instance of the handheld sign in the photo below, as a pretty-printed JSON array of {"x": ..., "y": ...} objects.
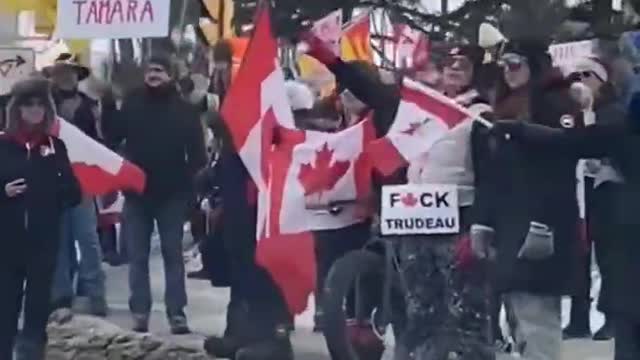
[
  {"x": 419, "y": 209},
  {"x": 113, "y": 19},
  {"x": 16, "y": 64}
]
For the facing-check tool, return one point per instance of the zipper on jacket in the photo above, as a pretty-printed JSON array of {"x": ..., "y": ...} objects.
[{"x": 26, "y": 206}]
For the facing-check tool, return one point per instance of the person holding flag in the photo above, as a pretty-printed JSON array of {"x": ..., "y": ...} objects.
[
  {"x": 527, "y": 212},
  {"x": 447, "y": 161},
  {"x": 38, "y": 187}
]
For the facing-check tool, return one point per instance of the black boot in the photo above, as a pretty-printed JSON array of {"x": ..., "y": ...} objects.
[
  {"x": 579, "y": 327},
  {"x": 224, "y": 347},
  {"x": 605, "y": 333},
  {"x": 576, "y": 331},
  {"x": 201, "y": 274}
]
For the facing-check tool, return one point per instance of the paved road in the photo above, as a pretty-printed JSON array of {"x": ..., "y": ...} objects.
[{"x": 207, "y": 309}]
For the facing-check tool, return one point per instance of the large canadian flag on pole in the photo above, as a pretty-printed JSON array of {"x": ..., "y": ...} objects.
[
  {"x": 255, "y": 103},
  {"x": 99, "y": 170},
  {"x": 300, "y": 174},
  {"x": 424, "y": 117}
]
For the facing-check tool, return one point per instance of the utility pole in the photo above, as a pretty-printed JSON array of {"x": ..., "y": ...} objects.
[{"x": 444, "y": 7}]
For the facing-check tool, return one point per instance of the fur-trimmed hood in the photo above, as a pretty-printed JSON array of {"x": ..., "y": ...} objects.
[{"x": 34, "y": 87}]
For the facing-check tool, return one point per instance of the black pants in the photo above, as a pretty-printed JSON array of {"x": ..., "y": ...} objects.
[
  {"x": 26, "y": 275},
  {"x": 600, "y": 231},
  {"x": 331, "y": 245},
  {"x": 627, "y": 340},
  {"x": 257, "y": 307}
]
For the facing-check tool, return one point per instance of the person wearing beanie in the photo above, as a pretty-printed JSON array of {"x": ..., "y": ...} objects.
[
  {"x": 618, "y": 142},
  {"x": 80, "y": 224},
  {"x": 162, "y": 134},
  {"x": 601, "y": 180},
  {"x": 38, "y": 185},
  {"x": 526, "y": 206}
]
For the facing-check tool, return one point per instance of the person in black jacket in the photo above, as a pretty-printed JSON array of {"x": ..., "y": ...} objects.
[
  {"x": 163, "y": 136},
  {"x": 526, "y": 201},
  {"x": 37, "y": 187},
  {"x": 620, "y": 143},
  {"x": 601, "y": 180}
]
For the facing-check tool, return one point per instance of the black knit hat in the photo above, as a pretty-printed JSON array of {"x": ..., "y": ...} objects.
[
  {"x": 474, "y": 53},
  {"x": 164, "y": 61},
  {"x": 534, "y": 50}
]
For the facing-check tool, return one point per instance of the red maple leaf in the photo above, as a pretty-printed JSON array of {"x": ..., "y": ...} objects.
[
  {"x": 322, "y": 175},
  {"x": 409, "y": 200},
  {"x": 413, "y": 127}
]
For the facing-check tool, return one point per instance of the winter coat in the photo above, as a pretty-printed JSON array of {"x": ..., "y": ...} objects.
[
  {"x": 84, "y": 118},
  {"x": 162, "y": 134},
  {"x": 518, "y": 184},
  {"x": 31, "y": 221}
]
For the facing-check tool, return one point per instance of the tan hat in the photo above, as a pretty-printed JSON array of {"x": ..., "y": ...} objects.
[{"x": 68, "y": 60}]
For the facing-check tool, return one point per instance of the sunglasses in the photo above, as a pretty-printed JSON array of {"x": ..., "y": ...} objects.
[
  {"x": 512, "y": 62},
  {"x": 462, "y": 61}
]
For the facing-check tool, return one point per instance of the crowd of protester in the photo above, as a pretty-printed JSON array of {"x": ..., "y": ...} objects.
[{"x": 521, "y": 246}]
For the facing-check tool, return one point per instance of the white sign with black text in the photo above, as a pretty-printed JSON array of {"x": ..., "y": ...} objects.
[
  {"x": 419, "y": 209},
  {"x": 16, "y": 64},
  {"x": 113, "y": 19}
]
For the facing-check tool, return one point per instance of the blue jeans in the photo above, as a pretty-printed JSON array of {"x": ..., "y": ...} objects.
[
  {"x": 79, "y": 224},
  {"x": 139, "y": 217}
]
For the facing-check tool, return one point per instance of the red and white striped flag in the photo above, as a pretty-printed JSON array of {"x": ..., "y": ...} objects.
[
  {"x": 424, "y": 116},
  {"x": 99, "y": 170}
]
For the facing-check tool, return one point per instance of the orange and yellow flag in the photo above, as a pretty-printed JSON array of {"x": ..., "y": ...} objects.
[
  {"x": 221, "y": 11},
  {"x": 356, "y": 40}
]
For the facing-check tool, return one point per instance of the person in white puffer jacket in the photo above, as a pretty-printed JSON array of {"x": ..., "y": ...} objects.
[{"x": 440, "y": 277}]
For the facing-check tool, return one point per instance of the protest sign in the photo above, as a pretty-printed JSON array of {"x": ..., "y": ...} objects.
[
  {"x": 15, "y": 64},
  {"x": 419, "y": 209},
  {"x": 565, "y": 54},
  {"x": 114, "y": 19}
]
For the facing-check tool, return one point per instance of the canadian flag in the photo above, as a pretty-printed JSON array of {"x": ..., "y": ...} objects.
[
  {"x": 254, "y": 104},
  {"x": 99, "y": 170},
  {"x": 424, "y": 116},
  {"x": 312, "y": 171}
]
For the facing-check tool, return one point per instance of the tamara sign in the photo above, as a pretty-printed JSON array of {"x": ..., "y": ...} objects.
[
  {"x": 419, "y": 209},
  {"x": 112, "y": 19}
]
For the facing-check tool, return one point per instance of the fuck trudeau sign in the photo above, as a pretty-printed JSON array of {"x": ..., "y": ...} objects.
[
  {"x": 419, "y": 209},
  {"x": 112, "y": 19}
]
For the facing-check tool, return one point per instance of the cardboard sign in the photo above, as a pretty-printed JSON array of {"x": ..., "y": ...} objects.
[
  {"x": 419, "y": 209},
  {"x": 329, "y": 30},
  {"x": 565, "y": 54},
  {"x": 114, "y": 19},
  {"x": 15, "y": 64}
]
